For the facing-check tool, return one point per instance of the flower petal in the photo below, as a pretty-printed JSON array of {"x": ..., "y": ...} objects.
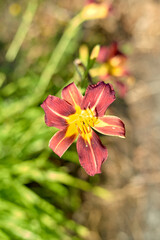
[
  {"x": 61, "y": 141},
  {"x": 103, "y": 54},
  {"x": 106, "y": 53},
  {"x": 98, "y": 97},
  {"x": 110, "y": 125},
  {"x": 56, "y": 112},
  {"x": 91, "y": 154},
  {"x": 72, "y": 95}
]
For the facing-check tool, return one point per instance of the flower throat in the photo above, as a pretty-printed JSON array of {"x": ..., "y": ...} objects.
[{"x": 83, "y": 120}]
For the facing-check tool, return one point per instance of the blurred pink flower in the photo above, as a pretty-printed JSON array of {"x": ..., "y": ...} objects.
[
  {"x": 113, "y": 68},
  {"x": 114, "y": 59}
]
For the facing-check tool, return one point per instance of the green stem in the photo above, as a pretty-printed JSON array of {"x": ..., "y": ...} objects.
[
  {"x": 50, "y": 69},
  {"x": 22, "y": 30},
  {"x": 57, "y": 54}
]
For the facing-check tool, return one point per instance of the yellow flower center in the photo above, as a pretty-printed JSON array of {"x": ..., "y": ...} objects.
[{"x": 81, "y": 122}]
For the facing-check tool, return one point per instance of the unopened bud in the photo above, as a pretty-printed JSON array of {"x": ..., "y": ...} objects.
[{"x": 95, "y": 52}]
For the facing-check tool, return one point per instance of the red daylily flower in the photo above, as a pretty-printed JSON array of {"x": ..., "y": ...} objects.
[
  {"x": 113, "y": 60},
  {"x": 112, "y": 68},
  {"x": 77, "y": 115}
]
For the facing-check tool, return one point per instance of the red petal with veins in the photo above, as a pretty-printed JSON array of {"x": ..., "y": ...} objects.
[
  {"x": 110, "y": 125},
  {"x": 56, "y": 111},
  {"x": 91, "y": 155},
  {"x": 59, "y": 143},
  {"x": 72, "y": 95},
  {"x": 98, "y": 97}
]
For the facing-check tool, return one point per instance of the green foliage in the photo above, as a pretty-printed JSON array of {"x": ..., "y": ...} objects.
[{"x": 36, "y": 194}]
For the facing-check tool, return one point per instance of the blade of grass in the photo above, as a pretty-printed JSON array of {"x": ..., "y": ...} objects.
[
  {"x": 22, "y": 30},
  {"x": 50, "y": 176},
  {"x": 58, "y": 53}
]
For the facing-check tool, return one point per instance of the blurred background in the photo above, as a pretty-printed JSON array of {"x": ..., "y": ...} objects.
[{"x": 43, "y": 197}]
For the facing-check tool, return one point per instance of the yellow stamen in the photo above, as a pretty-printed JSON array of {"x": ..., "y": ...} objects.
[{"x": 82, "y": 121}]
